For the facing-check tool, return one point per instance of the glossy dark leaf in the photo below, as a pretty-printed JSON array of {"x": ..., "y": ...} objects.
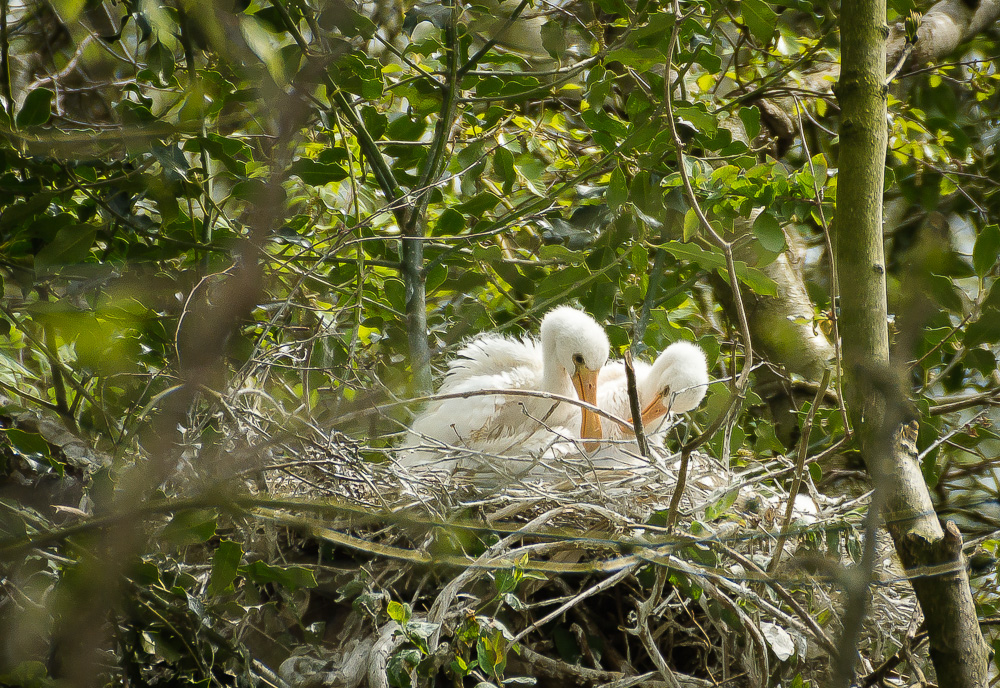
[
  {"x": 292, "y": 577},
  {"x": 986, "y": 330},
  {"x": 479, "y": 204},
  {"x": 451, "y": 221},
  {"x": 316, "y": 173},
  {"x": 36, "y": 108},
  {"x": 225, "y": 562}
]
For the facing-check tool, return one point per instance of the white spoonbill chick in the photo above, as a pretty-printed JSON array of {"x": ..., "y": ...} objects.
[
  {"x": 675, "y": 383},
  {"x": 566, "y": 360}
]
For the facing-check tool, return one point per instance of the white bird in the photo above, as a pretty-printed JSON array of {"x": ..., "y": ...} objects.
[
  {"x": 566, "y": 360},
  {"x": 675, "y": 383}
]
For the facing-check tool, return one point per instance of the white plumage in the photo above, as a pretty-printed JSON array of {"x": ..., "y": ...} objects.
[
  {"x": 566, "y": 360},
  {"x": 675, "y": 383}
]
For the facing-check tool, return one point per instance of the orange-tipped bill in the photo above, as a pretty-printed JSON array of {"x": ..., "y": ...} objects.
[
  {"x": 585, "y": 382},
  {"x": 654, "y": 411}
]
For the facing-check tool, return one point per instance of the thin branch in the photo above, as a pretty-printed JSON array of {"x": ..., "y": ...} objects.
[
  {"x": 800, "y": 462},
  {"x": 636, "y": 408}
]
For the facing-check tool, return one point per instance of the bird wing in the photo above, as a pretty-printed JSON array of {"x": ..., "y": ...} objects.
[
  {"x": 491, "y": 355},
  {"x": 484, "y": 421}
]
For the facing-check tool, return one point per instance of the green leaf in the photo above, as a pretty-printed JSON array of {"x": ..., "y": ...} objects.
[
  {"x": 27, "y": 442},
  {"x": 375, "y": 122},
  {"x": 617, "y": 189},
  {"x": 816, "y": 472},
  {"x": 70, "y": 246},
  {"x": 769, "y": 232},
  {"x": 943, "y": 290},
  {"x": 395, "y": 292},
  {"x": 503, "y": 165},
  {"x": 760, "y": 19},
  {"x": 982, "y": 360},
  {"x": 754, "y": 278},
  {"x": 190, "y": 527},
  {"x": 399, "y": 666},
  {"x": 600, "y": 121},
  {"x": 506, "y": 580},
  {"x": 316, "y": 173},
  {"x": 450, "y": 222},
  {"x": 36, "y": 109},
  {"x": 750, "y": 116},
  {"x": 225, "y": 564},
  {"x": 478, "y": 204},
  {"x": 986, "y": 330},
  {"x": 691, "y": 224},
  {"x": 562, "y": 282},
  {"x": 488, "y": 254},
  {"x": 713, "y": 511},
  {"x": 554, "y": 39},
  {"x": 614, "y": 7},
  {"x": 400, "y": 613},
  {"x": 292, "y": 577},
  {"x": 984, "y": 254},
  {"x": 698, "y": 119}
]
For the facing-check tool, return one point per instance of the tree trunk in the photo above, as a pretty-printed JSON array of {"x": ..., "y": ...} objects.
[{"x": 877, "y": 403}]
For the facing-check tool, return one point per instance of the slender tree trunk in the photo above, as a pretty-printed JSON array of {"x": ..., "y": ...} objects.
[{"x": 930, "y": 553}]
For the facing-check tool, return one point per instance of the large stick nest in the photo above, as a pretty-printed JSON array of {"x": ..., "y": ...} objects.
[{"x": 573, "y": 572}]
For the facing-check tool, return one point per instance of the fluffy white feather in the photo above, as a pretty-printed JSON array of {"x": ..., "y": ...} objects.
[
  {"x": 566, "y": 360},
  {"x": 675, "y": 383}
]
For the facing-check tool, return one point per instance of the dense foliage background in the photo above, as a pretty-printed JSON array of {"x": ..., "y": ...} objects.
[{"x": 223, "y": 224}]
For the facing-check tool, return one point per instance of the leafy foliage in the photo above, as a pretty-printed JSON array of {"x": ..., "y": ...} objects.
[{"x": 535, "y": 157}]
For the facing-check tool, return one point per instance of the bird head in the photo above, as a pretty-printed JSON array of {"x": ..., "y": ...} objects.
[
  {"x": 579, "y": 345},
  {"x": 676, "y": 383}
]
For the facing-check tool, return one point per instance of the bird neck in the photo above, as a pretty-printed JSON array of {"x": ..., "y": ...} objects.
[
  {"x": 555, "y": 378},
  {"x": 647, "y": 387}
]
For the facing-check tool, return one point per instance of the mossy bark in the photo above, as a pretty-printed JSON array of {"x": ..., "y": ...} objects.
[{"x": 878, "y": 405}]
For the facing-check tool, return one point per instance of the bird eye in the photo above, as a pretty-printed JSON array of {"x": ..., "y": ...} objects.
[{"x": 578, "y": 359}]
